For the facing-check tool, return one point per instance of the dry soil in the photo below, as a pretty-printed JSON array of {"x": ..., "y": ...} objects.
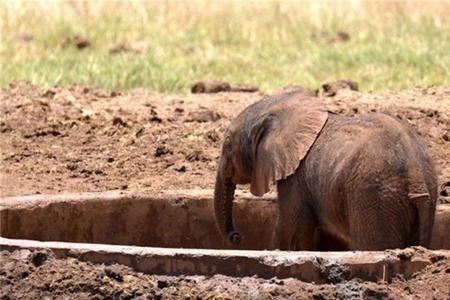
[{"x": 82, "y": 139}]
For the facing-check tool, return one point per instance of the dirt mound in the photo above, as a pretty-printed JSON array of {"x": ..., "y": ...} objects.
[
  {"x": 332, "y": 88},
  {"x": 38, "y": 274},
  {"x": 216, "y": 86},
  {"x": 81, "y": 139}
]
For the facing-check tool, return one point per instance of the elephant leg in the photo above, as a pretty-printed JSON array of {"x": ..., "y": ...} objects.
[
  {"x": 281, "y": 239},
  {"x": 377, "y": 223},
  {"x": 295, "y": 226},
  {"x": 307, "y": 233}
]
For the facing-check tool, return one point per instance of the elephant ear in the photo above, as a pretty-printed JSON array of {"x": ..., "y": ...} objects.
[{"x": 281, "y": 137}]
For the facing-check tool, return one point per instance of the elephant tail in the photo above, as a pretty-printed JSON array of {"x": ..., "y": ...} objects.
[{"x": 425, "y": 207}]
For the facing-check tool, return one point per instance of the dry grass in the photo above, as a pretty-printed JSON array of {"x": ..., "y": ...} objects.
[{"x": 392, "y": 45}]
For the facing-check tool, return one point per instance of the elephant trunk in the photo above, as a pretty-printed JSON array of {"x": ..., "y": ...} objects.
[{"x": 223, "y": 209}]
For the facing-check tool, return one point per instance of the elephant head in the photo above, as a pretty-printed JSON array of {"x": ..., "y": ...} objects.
[{"x": 265, "y": 143}]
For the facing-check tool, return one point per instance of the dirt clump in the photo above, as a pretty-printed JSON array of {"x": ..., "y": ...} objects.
[
  {"x": 77, "y": 41},
  {"x": 330, "y": 89},
  {"x": 210, "y": 86},
  {"x": 203, "y": 115},
  {"x": 217, "y": 86}
]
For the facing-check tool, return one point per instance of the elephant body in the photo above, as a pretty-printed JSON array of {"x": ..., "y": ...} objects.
[
  {"x": 362, "y": 183},
  {"x": 366, "y": 181}
]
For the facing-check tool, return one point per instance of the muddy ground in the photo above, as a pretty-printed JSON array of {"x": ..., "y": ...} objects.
[
  {"x": 81, "y": 139},
  {"x": 39, "y": 275}
]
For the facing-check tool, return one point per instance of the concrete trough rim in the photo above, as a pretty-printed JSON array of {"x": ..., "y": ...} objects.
[
  {"x": 33, "y": 200},
  {"x": 131, "y": 249},
  {"x": 307, "y": 266}
]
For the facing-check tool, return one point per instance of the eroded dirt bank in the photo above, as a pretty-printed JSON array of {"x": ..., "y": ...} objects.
[
  {"x": 83, "y": 139},
  {"x": 39, "y": 275}
]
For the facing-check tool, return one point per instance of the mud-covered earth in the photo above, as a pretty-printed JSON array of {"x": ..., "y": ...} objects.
[
  {"x": 81, "y": 139},
  {"x": 39, "y": 275}
]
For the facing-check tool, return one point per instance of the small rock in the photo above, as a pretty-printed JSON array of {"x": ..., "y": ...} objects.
[
  {"x": 331, "y": 88},
  {"x": 99, "y": 172},
  {"x": 203, "y": 115},
  {"x": 39, "y": 258},
  {"x": 4, "y": 128},
  {"x": 114, "y": 274},
  {"x": 180, "y": 169},
  {"x": 119, "y": 121},
  {"x": 154, "y": 116},
  {"x": 162, "y": 284},
  {"x": 72, "y": 166},
  {"x": 155, "y": 119},
  {"x": 162, "y": 150},
  {"x": 140, "y": 132},
  {"x": 446, "y": 136},
  {"x": 194, "y": 156},
  {"x": 86, "y": 172},
  {"x": 432, "y": 113},
  {"x": 210, "y": 86},
  {"x": 169, "y": 164},
  {"x": 213, "y": 136}
]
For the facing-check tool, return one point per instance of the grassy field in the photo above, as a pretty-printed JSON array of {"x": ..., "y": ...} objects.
[{"x": 391, "y": 45}]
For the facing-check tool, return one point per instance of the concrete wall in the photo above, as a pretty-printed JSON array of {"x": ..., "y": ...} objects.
[{"x": 163, "y": 219}]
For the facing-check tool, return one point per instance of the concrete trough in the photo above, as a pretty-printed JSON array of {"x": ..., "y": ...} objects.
[
  {"x": 172, "y": 219},
  {"x": 148, "y": 231}
]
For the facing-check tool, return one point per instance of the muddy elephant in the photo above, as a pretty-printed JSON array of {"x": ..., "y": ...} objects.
[{"x": 365, "y": 181}]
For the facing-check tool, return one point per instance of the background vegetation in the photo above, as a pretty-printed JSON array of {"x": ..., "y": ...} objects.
[{"x": 166, "y": 46}]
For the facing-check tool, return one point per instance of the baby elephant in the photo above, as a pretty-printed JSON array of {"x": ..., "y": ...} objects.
[{"x": 364, "y": 181}]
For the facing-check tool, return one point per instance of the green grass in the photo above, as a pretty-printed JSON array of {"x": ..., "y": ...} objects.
[{"x": 392, "y": 45}]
